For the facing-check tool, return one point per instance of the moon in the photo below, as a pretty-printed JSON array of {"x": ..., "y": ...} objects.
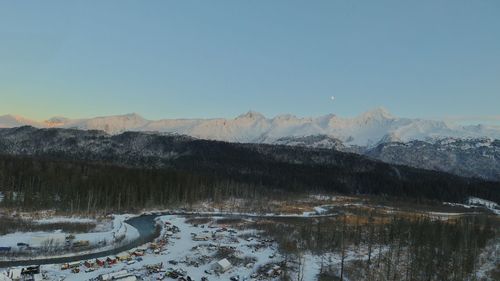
[{"x": 332, "y": 98}]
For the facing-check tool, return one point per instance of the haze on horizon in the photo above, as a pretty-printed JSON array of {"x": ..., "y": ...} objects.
[{"x": 180, "y": 59}]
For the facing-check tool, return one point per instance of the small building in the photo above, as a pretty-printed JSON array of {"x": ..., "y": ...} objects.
[
  {"x": 201, "y": 237},
  {"x": 222, "y": 266},
  {"x": 74, "y": 264},
  {"x": 123, "y": 257},
  {"x": 89, "y": 263},
  {"x": 111, "y": 260},
  {"x": 100, "y": 262},
  {"x": 138, "y": 253}
]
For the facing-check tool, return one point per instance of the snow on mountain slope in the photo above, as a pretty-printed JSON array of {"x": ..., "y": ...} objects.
[
  {"x": 367, "y": 129},
  {"x": 10, "y": 121},
  {"x": 110, "y": 124}
]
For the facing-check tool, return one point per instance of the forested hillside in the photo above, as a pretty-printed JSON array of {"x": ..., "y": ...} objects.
[{"x": 80, "y": 170}]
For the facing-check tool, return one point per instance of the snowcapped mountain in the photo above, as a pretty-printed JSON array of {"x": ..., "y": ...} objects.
[
  {"x": 368, "y": 129},
  {"x": 10, "y": 121}
]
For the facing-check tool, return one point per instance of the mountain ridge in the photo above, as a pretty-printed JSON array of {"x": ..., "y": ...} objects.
[{"x": 367, "y": 129}]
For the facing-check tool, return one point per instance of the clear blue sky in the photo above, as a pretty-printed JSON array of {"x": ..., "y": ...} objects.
[{"x": 165, "y": 59}]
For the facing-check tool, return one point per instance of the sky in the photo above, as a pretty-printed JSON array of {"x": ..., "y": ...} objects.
[{"x": 186, "y": 59}]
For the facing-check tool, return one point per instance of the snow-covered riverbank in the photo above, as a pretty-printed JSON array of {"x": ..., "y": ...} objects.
[{"x": 35, "y": 245}]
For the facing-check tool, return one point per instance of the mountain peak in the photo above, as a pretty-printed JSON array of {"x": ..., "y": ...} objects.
[
  {"x": 14, "y": 117},
  {"x": 56, "y": 121},
  {"x": 12, "y": 120},
  {"x": 128, "y": 116},
  {"x": 133, "y": 115},
  {"x": 377, "y": 113},
  {"x": 251, "y": 115}
]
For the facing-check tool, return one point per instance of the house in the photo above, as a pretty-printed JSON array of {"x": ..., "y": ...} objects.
[
  {"x": 138, "y": 253},
  {"x": 123, "y": 257},
  {"x": 222, "y": 266},
  {"x": 111, "y": 260},
  {"x": 89, "y": 263},
  {"x": 100, "y": 262}
]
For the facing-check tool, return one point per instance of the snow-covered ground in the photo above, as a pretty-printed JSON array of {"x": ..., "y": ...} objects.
[
  {"x": 193, "y": 245},
  {"x": 254, "y": 256},
  {"x": 103, "y": 239},
  {"x": 494, "y": 207},
  {"x": 474, "y": 202},
  {"x": 64, "y": 220},
  {"x": 182, "y": 249}
]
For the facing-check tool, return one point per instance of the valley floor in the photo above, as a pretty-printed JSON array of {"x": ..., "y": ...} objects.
[{"x": 276, "y": 241}]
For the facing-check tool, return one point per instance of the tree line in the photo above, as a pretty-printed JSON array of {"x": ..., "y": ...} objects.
[
  {"x": 43, "y": 182},
  {"x": 391, "y": 248}
]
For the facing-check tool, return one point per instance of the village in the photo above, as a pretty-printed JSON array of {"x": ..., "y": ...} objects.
[{"x": 184, "y": 251}]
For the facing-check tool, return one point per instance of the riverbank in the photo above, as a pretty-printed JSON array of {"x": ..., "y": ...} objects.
[{"x": 138, "y": 229}]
